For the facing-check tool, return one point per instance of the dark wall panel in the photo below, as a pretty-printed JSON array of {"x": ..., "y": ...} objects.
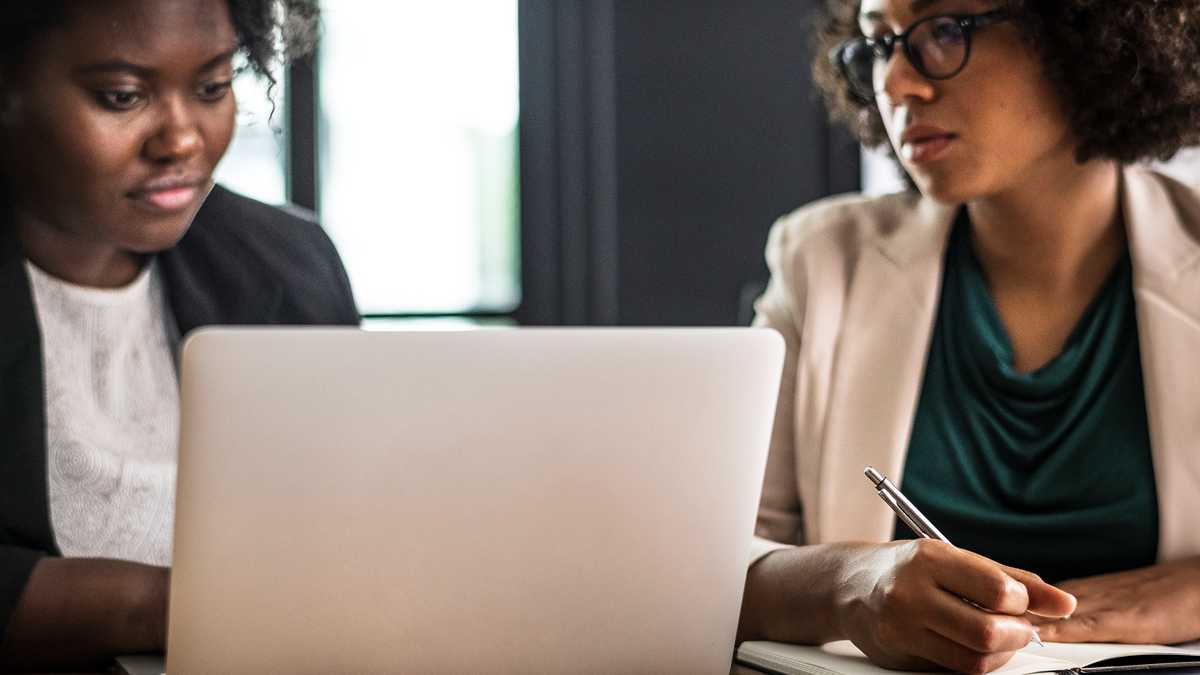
[
  {"x": 719, "y": 133},
  {"x": 660, "y": 140}
]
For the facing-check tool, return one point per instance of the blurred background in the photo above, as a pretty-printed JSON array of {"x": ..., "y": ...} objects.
[{"x": 553, "y": 162}]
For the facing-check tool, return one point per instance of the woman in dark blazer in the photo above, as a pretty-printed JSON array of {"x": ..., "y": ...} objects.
[{"x": 113, "y": 116}]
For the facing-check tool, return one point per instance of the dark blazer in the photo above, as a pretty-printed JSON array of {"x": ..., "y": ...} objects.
[{"x": 240, "y": 263}]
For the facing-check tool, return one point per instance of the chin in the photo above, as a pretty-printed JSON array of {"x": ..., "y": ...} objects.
[
  {"x": 947, "y": 189},
  {"x": 157, "y": 235}
]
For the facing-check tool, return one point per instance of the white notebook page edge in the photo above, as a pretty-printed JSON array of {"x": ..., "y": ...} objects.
[{"x": 843, "y": 658}]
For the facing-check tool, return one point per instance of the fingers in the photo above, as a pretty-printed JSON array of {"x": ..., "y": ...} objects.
[
  {"x": 975, "y": 629},
  {"x": 954, "y": 656},
  {"x": 1039, "y": 621},
  {"x": 920, "y": 616},
  {"x": 994, "y": 587},
  {"x": 1094, "y": 627},
  {"x": 926, "y": 650},
  {"x": 1044, "y": 600},
  {"x": 972, "y": 577}
]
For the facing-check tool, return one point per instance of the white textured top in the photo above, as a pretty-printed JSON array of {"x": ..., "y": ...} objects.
[{"x": 112, "y": 416}]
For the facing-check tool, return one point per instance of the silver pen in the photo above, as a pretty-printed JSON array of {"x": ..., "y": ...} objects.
[{"x": 914, "y": 519}]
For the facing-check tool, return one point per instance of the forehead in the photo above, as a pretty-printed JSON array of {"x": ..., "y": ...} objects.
[
  {"x": 903, "y": 11},
  {"x": 146, "y": 30}
]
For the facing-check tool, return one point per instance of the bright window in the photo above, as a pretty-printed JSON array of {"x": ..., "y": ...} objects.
[
  {"x": 419, "y": 175},
  {"x": 256, "y": 162}
]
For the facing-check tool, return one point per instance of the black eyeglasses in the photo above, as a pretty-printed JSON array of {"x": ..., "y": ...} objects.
[{"x": 938, "y": 47}]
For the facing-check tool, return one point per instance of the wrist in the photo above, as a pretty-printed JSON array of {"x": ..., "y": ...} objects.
[
  {"x": 148, "y": 617},
  {"x": 798, "y": 595},
  {"x": 757, "y": 600},
  {"x": 162, "y": 607},
  {"x": 848, "y": 603},
  {"x": 858, "y": 574}
]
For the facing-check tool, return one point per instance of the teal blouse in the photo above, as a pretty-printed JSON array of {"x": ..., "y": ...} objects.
[{"x": 1049, "y": 471}]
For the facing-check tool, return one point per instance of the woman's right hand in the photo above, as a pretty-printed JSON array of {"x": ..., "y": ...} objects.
[
  {"x": 900, "y": 603},
  {"x": 903, "y": 605}
]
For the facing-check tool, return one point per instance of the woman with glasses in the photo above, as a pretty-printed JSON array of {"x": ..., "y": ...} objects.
[
  {"x": 1015, "y": 341},
  {"x": 114, "y": 243}
]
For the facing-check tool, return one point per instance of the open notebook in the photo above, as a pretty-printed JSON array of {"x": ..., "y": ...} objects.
[{"x": 843, "y": 658}]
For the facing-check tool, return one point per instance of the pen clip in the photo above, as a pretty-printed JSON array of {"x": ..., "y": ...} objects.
[
  {"x": 924, "y": 528},
  {"x": 913, "y": 525},
  {"x": 905, "y": 509}
]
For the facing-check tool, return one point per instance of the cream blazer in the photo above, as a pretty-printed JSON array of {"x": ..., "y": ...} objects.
[{"x": 854, "y": 292}]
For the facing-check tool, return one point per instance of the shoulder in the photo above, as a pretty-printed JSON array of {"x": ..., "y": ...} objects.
[
  {"x": 236, "y": 244},
  {"x": 1163, "y": 223},
  {"x": 227, "y": 216},
  {"x": 1153, "y": 174},
  {"x": 838, "y": 228},
  {"x": 1155, "y": 189},
  {"x": 237, "y": 231}
]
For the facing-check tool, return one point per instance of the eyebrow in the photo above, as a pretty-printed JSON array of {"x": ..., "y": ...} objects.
[
  {"x": 123, "y": 66},
  {"x": 917, "y": 7}
]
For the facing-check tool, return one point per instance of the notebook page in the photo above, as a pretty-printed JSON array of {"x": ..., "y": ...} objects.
[
  {"x": 835, "y": 658},
  {"x": 843, "y": 658},
  {"x": 1085, "y": 654}
]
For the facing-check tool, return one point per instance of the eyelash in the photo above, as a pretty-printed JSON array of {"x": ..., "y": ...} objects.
[
  {"x": 124, "y": 100},
  {"x": 215, "y": 91},
  {"x": 115, "y": 99}
]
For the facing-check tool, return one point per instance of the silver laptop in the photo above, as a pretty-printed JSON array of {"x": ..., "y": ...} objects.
[{"x": 523, "y": 501}]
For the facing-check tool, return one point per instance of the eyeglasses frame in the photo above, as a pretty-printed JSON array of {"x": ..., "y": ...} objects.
[{"x": 885, "y": 47}]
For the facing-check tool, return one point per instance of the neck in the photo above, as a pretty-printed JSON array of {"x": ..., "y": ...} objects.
[
  {"x": 75, "y": 259},
  {"x": 1057, "y": 227}
]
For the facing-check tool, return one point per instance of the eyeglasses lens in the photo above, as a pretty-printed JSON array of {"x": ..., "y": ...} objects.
[
  {"x": 937, "y": 48},
  {"x": 858, "y": 61}
]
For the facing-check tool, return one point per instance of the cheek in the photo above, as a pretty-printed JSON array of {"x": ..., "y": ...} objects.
[
  {"x": 218, "y": 129},
  {"x": 1021, "y": 114},
  {"x": 889, "y": 124},
  {"x": 1019, "y": 132},
  {"x": 68, "y": 150},
  {"x": 111, "y": 150}
]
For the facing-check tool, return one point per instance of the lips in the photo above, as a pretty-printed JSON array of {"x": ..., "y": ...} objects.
[
  {"x": 169, "y": 194},
  {"x": 923, "y": 143}
]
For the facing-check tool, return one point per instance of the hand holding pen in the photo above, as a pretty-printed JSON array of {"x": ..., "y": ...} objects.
[
  {"x": 911, "y": 516},
  {"x": 900, "y": 602}
]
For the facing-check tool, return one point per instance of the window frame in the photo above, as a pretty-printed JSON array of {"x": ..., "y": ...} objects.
[
  {"x": 570, "y": 181},
  {"x": 303, "y": 162}
]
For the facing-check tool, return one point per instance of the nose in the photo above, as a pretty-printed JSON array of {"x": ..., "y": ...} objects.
[
  {"x": 901, "y": 82},
  {"x": 177, "y": 137}
]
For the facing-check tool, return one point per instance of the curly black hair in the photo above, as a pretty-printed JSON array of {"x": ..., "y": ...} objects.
[
  {"x": 1128, "y": 72},
  {"x": 269, "y": 32}
]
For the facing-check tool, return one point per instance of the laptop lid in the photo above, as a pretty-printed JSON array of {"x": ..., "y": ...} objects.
[{"x": 534, "y": 501}]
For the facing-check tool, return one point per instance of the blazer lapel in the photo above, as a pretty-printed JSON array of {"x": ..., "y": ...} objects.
[
  {"x": 24, "y": 509},
  {"x": 878, "y": 371},
  {"x": 212, "y": 278},
  {"x": 1162, "y": 218},
  {"x": 18, "y": 329}
]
